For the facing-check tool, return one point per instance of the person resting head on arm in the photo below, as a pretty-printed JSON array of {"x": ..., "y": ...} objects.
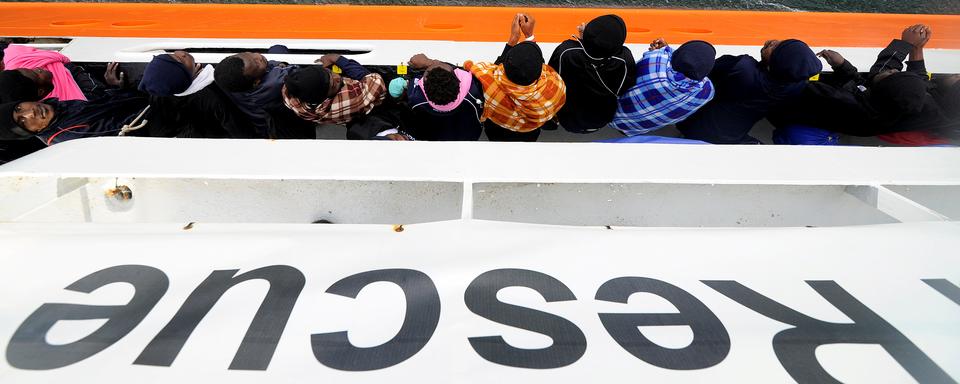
[{"x": 317, "y": 94}]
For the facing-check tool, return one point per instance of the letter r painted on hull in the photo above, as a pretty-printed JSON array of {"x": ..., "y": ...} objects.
[{"x": 796, "y": 347}]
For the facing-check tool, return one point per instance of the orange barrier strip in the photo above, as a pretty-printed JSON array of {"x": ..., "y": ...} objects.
[{"x": 455, "y": 23}]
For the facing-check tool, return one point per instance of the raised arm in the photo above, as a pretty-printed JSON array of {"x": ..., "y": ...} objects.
[
  {"x": 915, "y": 62},
  {"x": 842, "y": 69},
  {"x": 423, "y": 63},
  {"x": 893, "y": 56},
  {"x": 351, "y": 68}
]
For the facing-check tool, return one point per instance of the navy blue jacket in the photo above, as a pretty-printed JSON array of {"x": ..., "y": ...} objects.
[{"x": 745, "y": 92}]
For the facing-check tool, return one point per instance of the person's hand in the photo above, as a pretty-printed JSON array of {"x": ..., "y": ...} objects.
[
  {"x": 658, "y": 44},
  {"x": 515, "y": 30},
  {"x": 420, "y": 61},
  {"x": 113, "y": 76},
  {"x": 328, "y": 60},
  {"x": 833, "y": 58},
  {"x": 396, "y": 137},
  {"x": 916, "y": 35},
  {"x": 527, "y": 22},
  {"x": 927, "y": 32}
]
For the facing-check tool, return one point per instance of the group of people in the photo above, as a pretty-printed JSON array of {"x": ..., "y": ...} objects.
[{"x": 590, "y": 82}]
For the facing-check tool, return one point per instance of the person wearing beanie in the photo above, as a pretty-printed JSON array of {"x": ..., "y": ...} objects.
[
  {"x": 170, "y": 74},
  {"x": 447, "y": 101},
  {"x": 898, "y": 105},
  {"x": 671, "y": 85},
  {"x": 318, "y": 95},
  {"x": 254, "y": 83},
  {"x": 188, "y": 103},
  {"x": 597, "y": 69},
  {"x": 521, "y": 93},
  {"x": 46, "y": 68},
  {"x": 746, "y": 90}
]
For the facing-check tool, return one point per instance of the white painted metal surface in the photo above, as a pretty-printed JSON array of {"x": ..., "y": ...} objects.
[{"x": 592, "y": 184}]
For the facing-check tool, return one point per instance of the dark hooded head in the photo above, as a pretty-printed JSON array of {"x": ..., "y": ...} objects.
[
  {"x": 309, "y": 84},
  {"x": 604, "y": 36},
  {"x": 793, "y": 61},
  {"x": 165, "y": 76},
  {"x": 900, "y": 93},
  {"x": 694, "y": 59},
  {"x": 523, "y": 63},
  {"x": 9, "y": 129},
  {"x": 14, "y": 86}
]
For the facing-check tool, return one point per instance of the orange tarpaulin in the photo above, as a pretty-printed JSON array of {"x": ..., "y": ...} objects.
[{"x": 455, "y": 23}]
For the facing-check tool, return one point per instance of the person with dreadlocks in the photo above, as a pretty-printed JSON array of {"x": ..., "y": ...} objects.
[
  {"x": 447, "y": 102},
  {"x": 521, "y": 92},
  {"x": 597, "y": 69}
]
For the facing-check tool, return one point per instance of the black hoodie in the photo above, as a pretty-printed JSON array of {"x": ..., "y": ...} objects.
[{"x": 597, "y": 71}]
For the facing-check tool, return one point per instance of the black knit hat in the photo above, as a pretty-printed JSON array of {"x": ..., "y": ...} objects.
[
  {"x": 694, "y": 59},
  {"x": 309, "y": 84},
  {"x": 14, "y": 86},
  {"x": 165, "y": 76},
  {"x": 793, "y": 60},
  {"x": 604, "y": 36},
  {"x": 9, "y": 130},
  {"x": 523, "y": 63}
]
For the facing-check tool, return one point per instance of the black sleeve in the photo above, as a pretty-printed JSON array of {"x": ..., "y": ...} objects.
[
  {"x": 351, "y": 68},
  {"x": 917, "y": 66},
  {"x": 554, "y": 61},
  {"x": 723, "y": 65},
  {"x": 892, "y": 56},
  {"x": 844, "y": 73},
  {"x": 631, "y": 71},
  {"x": 222, "y": 110},
  {"x": 506, "y": 48}
]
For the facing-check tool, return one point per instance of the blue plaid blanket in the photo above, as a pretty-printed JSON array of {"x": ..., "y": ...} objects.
[{"x": 661, "y": 96}]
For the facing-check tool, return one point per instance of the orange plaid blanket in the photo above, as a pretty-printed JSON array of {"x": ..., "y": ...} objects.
[{"x": 516, "y": 107}]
